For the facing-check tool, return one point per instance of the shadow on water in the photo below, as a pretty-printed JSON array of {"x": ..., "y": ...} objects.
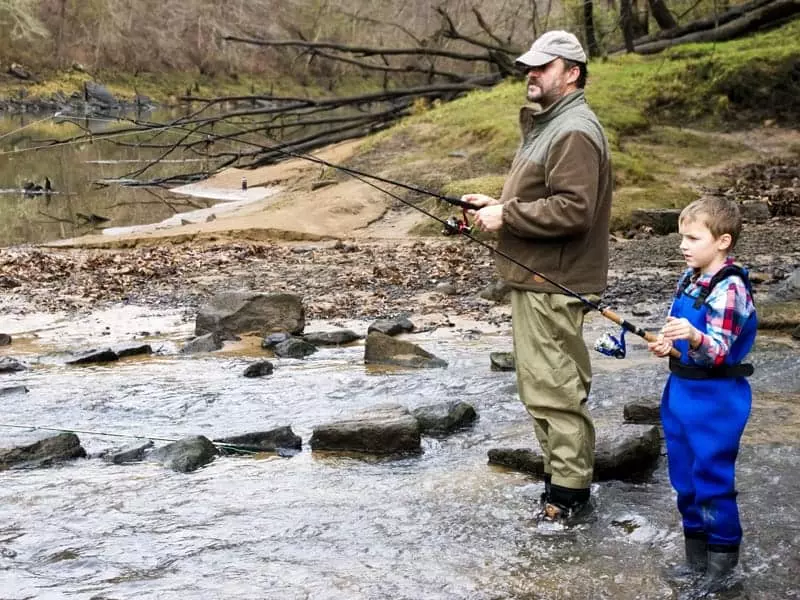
[
  {"x": 443, "y": 525},
  {"x": 76, "y": 206}
]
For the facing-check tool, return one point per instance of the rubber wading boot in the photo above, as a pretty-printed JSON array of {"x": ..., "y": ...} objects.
[
  {"x": 696, "y": 546},
  {"x": 719, "y": 571}
]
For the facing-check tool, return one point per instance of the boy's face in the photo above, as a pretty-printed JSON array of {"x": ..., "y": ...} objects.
[{"x": 700, "y": 248}]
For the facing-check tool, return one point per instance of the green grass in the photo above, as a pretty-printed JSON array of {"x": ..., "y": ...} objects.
[{"x": 659, "y": 112}]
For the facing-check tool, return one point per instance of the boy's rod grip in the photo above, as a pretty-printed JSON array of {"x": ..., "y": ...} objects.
[{"x": 627, "y": 326}]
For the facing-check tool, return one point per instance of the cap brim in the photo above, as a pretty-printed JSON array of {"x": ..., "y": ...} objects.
[{"x": 534, "y": 58}]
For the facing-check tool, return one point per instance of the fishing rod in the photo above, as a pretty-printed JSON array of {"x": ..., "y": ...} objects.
[
  {"x": 125, "y": 435},
  {"x": 606, "y": 344}
]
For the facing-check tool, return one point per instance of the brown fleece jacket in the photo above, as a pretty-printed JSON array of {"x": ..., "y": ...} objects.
[{"x": 557, "y": 200}]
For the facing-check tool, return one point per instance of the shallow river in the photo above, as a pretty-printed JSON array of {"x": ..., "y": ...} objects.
[{"x": 443, "y": 525}]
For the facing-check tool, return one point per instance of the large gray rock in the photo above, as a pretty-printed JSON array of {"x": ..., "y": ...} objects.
[
  {"x": 261, "y": 441},
  {"x": 294, "y": 348},
  {"x": 387, "y": 429},
  {"x": 445, "y": 418},
  {"x": 59, "y": 448},
  {"x": 661, "y": 220},
  {"x": 9, "y": 365},
  {"x": 623, "y": 452},
  {"x": 231, "y": 313},
  {"x": 186, "y": 455},
  {"x": 385, "y": 350}
]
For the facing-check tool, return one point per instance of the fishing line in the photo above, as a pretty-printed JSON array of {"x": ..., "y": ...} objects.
[
  {"x": 31, "y": 124},
  {"x": 124, "y": 435}
]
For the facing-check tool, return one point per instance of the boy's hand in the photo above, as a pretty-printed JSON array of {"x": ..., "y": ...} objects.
[
  {"x": 661, "y": 347},
  {"x": 681, "y": 329}
]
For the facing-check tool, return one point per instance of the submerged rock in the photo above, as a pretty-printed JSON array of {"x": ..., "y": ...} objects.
[
  {"x": 261, "y": 368},
  {"x": 382, "y": 349},
  {"x": 59, "y": 448},
  {"x": 133, "y": 350},
  {"x": 387, "y": 429},
  {"x": 5, "y": 339},
  {"x": 262, "y": 441},
  {"x": 128, "y": 454},
  {"x": 624, "y": 452},
  {"x": 94, "y": 356},
  {"x": 186, "y": 455},
  {"x": 10, "y": 365},
  {"x": 332, "y": 338},
  {"x": 445, "y": 418},
  {"x": 14, "y": 389}
]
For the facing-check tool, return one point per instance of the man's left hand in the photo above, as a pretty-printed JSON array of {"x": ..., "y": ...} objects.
[{"x": 489, "y": 218}]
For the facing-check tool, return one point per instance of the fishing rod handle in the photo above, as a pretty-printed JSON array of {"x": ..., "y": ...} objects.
[
  {"x": 460, "y": 202},
  {"x": 636, "y": 330}
]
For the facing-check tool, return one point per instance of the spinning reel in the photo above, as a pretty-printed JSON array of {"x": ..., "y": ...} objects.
[
  {"x": 456, "y": 226},
  {"x": 610, "y": 345}
]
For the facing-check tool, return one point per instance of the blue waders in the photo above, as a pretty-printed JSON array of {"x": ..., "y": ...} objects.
[{"x": 704, "y": 416}]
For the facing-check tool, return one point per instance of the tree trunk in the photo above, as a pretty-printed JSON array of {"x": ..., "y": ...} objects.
[
  {"x": 626, "y": 18},
  {"x": 588, "y": 24},
  {"x": 772, "y": 14},
  {"x": 662, "y": 15}
]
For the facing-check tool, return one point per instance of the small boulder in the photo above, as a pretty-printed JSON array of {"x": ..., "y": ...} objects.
[
  {"x": 94, "y": 356},
  {"x": 387, "y": 429},
  {"x": 658, "y": 220},
  {"x": 497, "y": 291},
  {"x": 241, "y": 312},
  {"x": 55, "y": 449},
  {"x": 273, "y": 339},
  {"x": 391, "y": 326},
  {"x": 261, "y": 441},
  {"x": 10, "y": 365},
  {"x": 5, "y": 339},
  {"x": 186, "y": 455},
  {"x": 294, "y": 348},
  {"x": 14, "y": 389},
  {"x": 444, "y": 418},
  {"x": 502, "y": 361},
  {"x": 339, "y": 337},
  {"x": 133, "y": 350},
  {"x": 386, "y": 350},
  {"x": 128, "y": 454},
  {"x": 261, "y": 368},
  {"x": 204, "y": 343}
]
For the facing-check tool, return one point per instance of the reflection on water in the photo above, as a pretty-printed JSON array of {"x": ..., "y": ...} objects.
[
  {"x": 77, "y": 205},
  {"x": 444, "y": 525}
]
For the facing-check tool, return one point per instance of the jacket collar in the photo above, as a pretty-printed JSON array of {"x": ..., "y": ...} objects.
[{"x": 531, "y": 114}]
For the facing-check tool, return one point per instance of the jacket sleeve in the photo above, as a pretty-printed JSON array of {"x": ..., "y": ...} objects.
[{"x": 572, "y": 175}]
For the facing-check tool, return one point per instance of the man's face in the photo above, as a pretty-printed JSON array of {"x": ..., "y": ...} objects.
[{"x": 549, "y": 83}]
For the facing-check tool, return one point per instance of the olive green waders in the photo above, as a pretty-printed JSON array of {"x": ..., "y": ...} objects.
[{"x": 554, "y": 374}]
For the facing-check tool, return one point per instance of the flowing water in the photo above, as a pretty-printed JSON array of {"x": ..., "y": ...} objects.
[{"x": 443, "y": 525}]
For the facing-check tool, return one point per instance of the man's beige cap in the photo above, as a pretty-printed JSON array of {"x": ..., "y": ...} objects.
[{"x": 550, "y": 46}]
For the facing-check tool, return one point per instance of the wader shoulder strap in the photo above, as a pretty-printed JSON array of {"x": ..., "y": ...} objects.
[
  {"x": 719, "y": 276},
  {"x": 722, "y": 372}
]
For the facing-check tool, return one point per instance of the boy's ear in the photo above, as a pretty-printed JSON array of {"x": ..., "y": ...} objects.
[{"x": 724, "y": 241}]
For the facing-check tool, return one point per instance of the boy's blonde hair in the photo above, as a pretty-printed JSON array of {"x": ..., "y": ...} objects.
[{"x": 720, "y": 215}]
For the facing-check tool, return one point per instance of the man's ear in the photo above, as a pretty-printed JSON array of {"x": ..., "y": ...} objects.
[{"x": 724, "y": 241}]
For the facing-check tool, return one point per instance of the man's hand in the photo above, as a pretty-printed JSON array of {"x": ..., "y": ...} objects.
[
  {"x": 489, "y": 218},
  {"x": 681, "y": 329},
  {"x": 479, "y": 200}
]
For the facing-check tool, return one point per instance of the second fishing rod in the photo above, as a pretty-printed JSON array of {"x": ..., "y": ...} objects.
[{"x": 609, "y": 345}]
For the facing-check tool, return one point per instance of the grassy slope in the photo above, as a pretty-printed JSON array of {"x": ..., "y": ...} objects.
[{"x": 646, "y": 104}]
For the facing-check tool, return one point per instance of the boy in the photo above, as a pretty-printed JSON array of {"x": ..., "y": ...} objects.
[{"x": 706, "y": 401}]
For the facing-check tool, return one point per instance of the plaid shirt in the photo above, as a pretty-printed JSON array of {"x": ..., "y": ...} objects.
[{"x": 729, "y": 307}]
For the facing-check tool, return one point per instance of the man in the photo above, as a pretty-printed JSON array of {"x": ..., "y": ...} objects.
[{"x": 553, "y": 217}]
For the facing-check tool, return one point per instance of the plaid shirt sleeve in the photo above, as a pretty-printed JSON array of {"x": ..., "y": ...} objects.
[{"x": 729, "y": 307}]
